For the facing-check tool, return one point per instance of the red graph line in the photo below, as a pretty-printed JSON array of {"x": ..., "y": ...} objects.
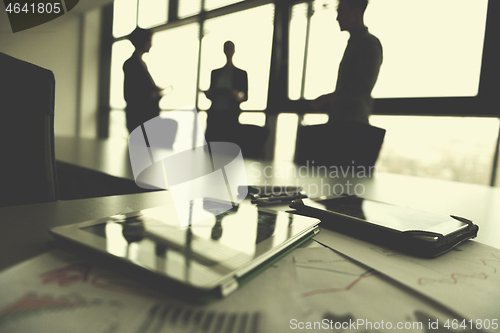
[
  {"x": 334, "y": 290},
  {"x": 68, "y": 275},
  {"x": 122, "y": 285},
  {"x": 31, "y": 303},
  {"x": 81, "y": 273},
  {"x": 483, "y": 261},
  {"x": 453, "y": 280}
]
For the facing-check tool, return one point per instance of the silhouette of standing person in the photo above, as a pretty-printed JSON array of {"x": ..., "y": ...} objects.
[
  {"x": 228, "y": 89},
  {"x": 140, "y": 91},
  {"x": 358, "y": 70}
]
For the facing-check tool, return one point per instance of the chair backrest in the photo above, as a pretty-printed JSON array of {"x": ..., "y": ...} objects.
[
  {"x": 27, "y": 169},
  {"x": 252, "y": 140},
  {"x": 339, "y": 144}
]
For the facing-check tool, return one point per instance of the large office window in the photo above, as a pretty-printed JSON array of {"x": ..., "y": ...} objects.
[
  {"x": 213, "y": 4},
  {"x": 450, "y": 148},
  {"x": 251, "y": 31},
  {"x": 174, "y": 56},
  {"x": 297, "y": 44},
  {"x": 152, "y": 13},
  {"x": 286, "y": 134},
  {"x": 431, "y": 48},
  {"x": 122, "y": 50},
  {"x": 173, "y": 62},
  {"x": 188, "y": 8},
  {"x": 315, "y": 74},
  {"x": 124, "y": 17}
]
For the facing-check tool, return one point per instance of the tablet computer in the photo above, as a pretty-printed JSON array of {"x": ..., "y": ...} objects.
[
  {"x": 408, "y": 230},
  {"x": 197, "y": 262}
]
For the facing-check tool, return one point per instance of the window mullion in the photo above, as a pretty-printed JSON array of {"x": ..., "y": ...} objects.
[{"x": 310, "y": 12}]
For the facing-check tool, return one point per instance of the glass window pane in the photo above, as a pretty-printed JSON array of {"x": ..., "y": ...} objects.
[
  {"x": 120, "y": 52},
  {"x": 172, "y": 62},
  {"x": 314, "y": 119},
  {"x": 286, "y": 135},
  {"x": 497, "y": 177},
  {"x": 441, "y": 57},
  {"x": 253, "y": 118},
  {"x": 189, "y": 8},
  {"x": 450, "y": 148},
  {"x": 118, "y": 124},
  {"x": 326, "y": 48},
  {"x": 437, "y": 59},
  {"x": 298, "y": 27},
  {"x": 124, "y": 17},
  {"x": 152, "y": 13},
  {"x": 213, "y": 4},
  {"x": 251, "y": 31}
]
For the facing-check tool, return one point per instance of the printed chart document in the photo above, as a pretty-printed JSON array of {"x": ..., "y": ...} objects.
[
  {"x": 344, "y": 295},
  {"x": 61, "y": 292},
  {"x": 466, "y": 279}
]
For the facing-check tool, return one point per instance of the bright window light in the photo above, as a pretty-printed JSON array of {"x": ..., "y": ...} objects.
[
  {"x": 326, "y": 48},
  {"x": 152, "y": 13},
  {"x": 450, "y": 148},
  {"x": 118, "y": 124},
  {"x": 253, "y": 118},
  {"x": 173, "y": 62},
  {"x": 286, "y": 135},
  {"x": 120, "y": 52},
  {"x": 124, "y": 17},
  {"x": 431, "y": 48},
  {"x": 314, "y": 119},
  {"x": 251, "y": 31},
  {"x": 297, "y": 42},
  {"x": 213, "y": 4},
  {"x": 189, "y": 8},
  {"x": 434, "y": 51}
]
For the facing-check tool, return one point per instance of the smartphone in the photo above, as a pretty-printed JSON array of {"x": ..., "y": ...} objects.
[{"x": 410, "y": 230}]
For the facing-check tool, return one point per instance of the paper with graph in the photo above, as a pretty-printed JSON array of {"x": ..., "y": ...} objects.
[
  {"x": 335, "y": 288},
  {"x": 60, "y": 292},
  {"x": 466, "y": 279}
]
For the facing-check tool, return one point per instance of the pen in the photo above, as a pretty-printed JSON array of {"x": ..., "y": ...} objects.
[
  {"x": 269, "y": 189},
  {"x": 278, "y": 199}
]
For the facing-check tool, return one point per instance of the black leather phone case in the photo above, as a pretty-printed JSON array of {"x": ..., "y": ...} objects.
[{"x": 414, "y": 242}]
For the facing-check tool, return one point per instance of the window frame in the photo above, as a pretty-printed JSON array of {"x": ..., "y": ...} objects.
[
  {"x": 484, "y": 104},
  {"x": 278, "y": 101}
]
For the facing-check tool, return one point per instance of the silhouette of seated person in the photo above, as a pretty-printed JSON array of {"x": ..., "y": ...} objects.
[
  {"x": 228, "y": 89},
  {"x": 140, "y": 91}
]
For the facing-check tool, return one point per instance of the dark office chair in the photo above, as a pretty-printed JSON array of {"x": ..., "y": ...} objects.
[
  {"x": 339, "y": 144},
  {"x": 252, "y": 139},
  {"x": 27, "y": 169}
]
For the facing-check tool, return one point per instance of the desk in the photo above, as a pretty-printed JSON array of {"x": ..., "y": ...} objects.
[
  {"x": 23, "y": 230},
  {"x": 109, "y": 156},
  {"x": 476, "y": 202},
  {"x": 89, "y": 168}
]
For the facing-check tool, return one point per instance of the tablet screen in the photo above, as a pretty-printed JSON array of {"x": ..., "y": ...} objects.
[{"x": 205, "y": 252}]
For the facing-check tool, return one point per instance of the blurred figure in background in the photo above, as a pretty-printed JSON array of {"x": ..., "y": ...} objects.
[
  {"x": 358, "y": 70},
  {"x": 228, "y": 89},
  {"x": 140, "y": 91}
]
